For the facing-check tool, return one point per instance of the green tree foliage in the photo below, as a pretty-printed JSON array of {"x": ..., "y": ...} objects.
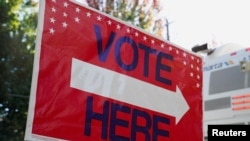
[
  {"x": 141, "y": 13},
  {"x": 17, "y": 41}
]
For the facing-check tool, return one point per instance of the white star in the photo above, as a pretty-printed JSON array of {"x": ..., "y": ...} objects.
[
  {"x": 191, "y": 74},
  {"x": 77, "y": 9},
  {"x": 52, "y": 20},
  {"x": 77, "y": 19},
  {"x": 65, "y": 14},
  {"x": 197, "y": 68},
  {"x": 51, "y": 30},
  {"x": 192, "y": 66},
  {"x": 197, "y": 85},
  {"x": 162, "y": 45},
  {"x": 185, "y": 63},
  {"x": 64, "y": 24},
  {"x": 109, "y": 22},
  {"x": 170, "y": 48},
  {"x": 136, "y": 34},
  {"x": 184, "y": 54},
  {"x": 177, "y": 51},
  {"x": 53, "y": 9},
  {"x": 88, "y": 14},
  {"x": 152, "y": 42},
  {"x": 192, "y": 57},
  {"x": 118, "y": 27},
  {"x": 65, "y": 4},
  {"x": 198, "y": 77},
  {"x": 99, "y": 18},
  {"x": 145, "y": 38},
  {"x": 54, "y": 1},
  {"x": 128, "y": 30}
]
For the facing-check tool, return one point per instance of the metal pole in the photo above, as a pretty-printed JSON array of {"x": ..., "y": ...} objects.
[
  {"x": 246, "y": 79},
  {"x": 167, "y": 26}
]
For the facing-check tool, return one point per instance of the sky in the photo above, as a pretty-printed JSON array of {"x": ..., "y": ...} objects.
[{"x": 217, "y": 22}]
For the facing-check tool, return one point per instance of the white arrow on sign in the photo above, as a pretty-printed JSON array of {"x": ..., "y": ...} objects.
[{"x": 97, "y": 80}]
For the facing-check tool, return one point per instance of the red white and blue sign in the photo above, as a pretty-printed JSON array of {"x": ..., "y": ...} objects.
[{"x": 100, "y": 79}]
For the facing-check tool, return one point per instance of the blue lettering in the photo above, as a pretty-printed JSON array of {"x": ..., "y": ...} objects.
[
  {"x": 148, "y": 51},
  {"x": 103, "y": 53},
  {"x": 118, "y": 122},
  {"x": 141, "y": 129},
  {"x": 157, "y": 131},
  {"x": 160, "y": 66},
  {"x": 118, "y": 45},
  {"x": 109, "y": 121},
  {"x": 90, "y": 115}
]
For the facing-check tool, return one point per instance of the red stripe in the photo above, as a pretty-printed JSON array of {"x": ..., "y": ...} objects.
[
  {"x": 241, "y": 108},
  {"x": 248, "y": 49},
  {"x": 233, "y": 53},
  {"x": 241, "y": 96},
  {"x": 241, "y": 102}
]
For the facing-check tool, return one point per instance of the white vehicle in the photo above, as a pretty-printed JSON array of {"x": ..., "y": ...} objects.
[{"x": 226, "y": 86}]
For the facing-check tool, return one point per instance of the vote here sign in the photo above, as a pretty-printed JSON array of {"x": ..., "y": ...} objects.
[{"x": 97, "y": 78}]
